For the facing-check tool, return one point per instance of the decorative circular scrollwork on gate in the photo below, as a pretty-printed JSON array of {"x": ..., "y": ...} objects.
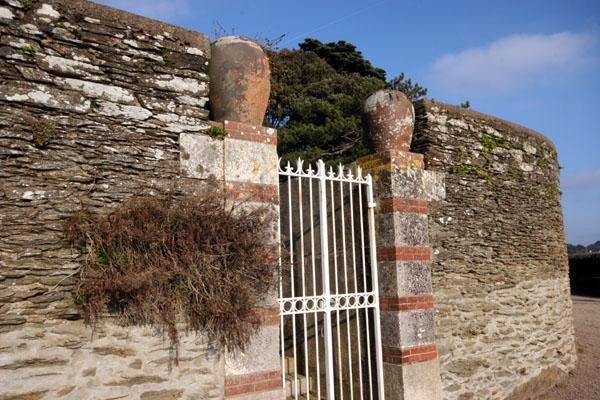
[{"x": 310, "y": 304}]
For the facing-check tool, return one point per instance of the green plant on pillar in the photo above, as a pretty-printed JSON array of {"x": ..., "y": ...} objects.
[{"x": 216, "y": 132}]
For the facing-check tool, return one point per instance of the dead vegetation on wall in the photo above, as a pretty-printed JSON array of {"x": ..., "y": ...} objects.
[{"x": 160, "y": 261}]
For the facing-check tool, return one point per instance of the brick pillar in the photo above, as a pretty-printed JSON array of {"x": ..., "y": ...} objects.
[
  {"x": 411, "y": 365},
  {"x": 250, "y": 176},
  {"x": 245, "y": 161}
]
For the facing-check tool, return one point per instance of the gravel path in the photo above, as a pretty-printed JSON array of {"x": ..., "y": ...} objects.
[{"x": 584, "y": 381}]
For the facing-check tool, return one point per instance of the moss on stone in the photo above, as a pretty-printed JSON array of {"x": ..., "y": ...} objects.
[
  {"x": 216, "y": 132},
  {"x": 43, "y": 132},
  {"x": 474, "y": 171},
  {"x": 28, "y": 50},
  {"x": 490, "y": 143}
]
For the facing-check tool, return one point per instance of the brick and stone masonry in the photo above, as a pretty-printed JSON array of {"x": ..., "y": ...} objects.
[
  {"x": 402, "y": 188},
  {"x": 97, "y": 105},
  {"x": 246, "y": 161}
]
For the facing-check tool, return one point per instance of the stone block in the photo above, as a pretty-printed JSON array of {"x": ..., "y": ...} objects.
[
  {"x": 44, "y": 96},
  {"x": 250, "y": 162},
  {"x": 434, "y": 185},
  {"x": 201, "y": 156},
  {"x": 418, "y": 381},
  {"x": 402, "y": 230},
  {"x": 406, "y": 183},
  {"x": 407, "y": 328},
  {"x": 404, "y": 278},
  {"x": 262, "y": 354}
]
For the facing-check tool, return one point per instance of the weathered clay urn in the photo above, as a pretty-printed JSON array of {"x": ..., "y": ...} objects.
[
  {"x": 391, "y": 119},
  {"x": 239, "y": 80}
]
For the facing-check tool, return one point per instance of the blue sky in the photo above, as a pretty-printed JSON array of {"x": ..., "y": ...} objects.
[{"x": 536, "y": 63}]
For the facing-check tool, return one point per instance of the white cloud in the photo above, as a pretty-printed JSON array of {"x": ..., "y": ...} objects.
[
  {"x": 513, "y": 62},
  {"x": 158, "y": 9}
]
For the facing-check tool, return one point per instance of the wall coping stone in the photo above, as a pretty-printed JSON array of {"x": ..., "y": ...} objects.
[
  {"x": 115, "y": 16},
  {"x": 461, "y": 113}
]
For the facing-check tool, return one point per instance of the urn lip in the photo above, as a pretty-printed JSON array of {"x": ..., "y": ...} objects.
[
  {"x": 235, "y": 39},
  {"x": 384, "y": 97}
]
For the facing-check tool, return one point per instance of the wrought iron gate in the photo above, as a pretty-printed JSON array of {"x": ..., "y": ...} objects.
[{"x": 328, "y": 299}]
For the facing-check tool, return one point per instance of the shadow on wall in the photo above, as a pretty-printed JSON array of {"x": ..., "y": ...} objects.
[{"x": 584, "y": 273}]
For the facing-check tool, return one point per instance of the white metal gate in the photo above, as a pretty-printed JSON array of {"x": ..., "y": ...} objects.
[{"x": 329, "y": 302}]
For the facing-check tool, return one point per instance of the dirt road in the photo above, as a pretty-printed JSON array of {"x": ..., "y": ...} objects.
[{"x": 584, "y": 382}]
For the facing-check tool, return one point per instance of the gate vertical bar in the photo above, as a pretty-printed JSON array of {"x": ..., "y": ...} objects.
[
  {"x": 336, "y": 280},
  {"x": 360, "y": 372},
  {"x": 325, "y": 275},
  {"x": 365, "y": 288},
  {"x": 375, "y": 282},
  {"x": 292, "y": 280},
  {"x": 301, "y": 225},
  {"x": 314, "y": 280}
]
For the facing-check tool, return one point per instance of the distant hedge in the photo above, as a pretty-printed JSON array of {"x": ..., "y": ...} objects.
[{"x": 584, "y": 271}]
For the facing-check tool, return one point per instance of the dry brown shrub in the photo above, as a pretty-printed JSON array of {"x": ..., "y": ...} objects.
[{"x": 160, "y": 261}]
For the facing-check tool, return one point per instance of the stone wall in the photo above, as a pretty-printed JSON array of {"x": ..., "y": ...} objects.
[
  {"x": 97, "y": 105},
  {"x": 501, "y": 290},
  {"x": 91, "y": 111}
]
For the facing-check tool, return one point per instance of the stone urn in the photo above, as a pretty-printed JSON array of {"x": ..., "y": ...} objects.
[
  {"x": 391, "y": 119},
  {"x": 239, "y": 81}
]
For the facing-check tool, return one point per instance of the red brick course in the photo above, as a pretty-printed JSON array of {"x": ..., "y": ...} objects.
[
  {"x": 404, "y": 254},
  {"x": 252, "y": 192},
  {"x": 396, "y": 204},
  {"x": 238, "y": 130},
  {"x": 393, "y": 355},
  {"x": 389, "y": 303},
  {"x": 267, "y": 315},
  {"x": 249, "y": 383}
]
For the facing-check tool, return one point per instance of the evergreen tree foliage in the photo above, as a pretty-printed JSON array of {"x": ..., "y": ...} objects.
[
  {"x": 343, "y": 57},
  {"x": 317, "y": 96},
  {"x": 413, "y": 91}
]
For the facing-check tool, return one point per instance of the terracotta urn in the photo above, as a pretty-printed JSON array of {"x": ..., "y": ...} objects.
[
  {"x": 391, "y": 119},
  {"x": 239, "y": 81}
]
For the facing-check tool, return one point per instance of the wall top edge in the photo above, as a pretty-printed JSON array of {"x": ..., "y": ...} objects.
[{"x": 119, "y": 17}]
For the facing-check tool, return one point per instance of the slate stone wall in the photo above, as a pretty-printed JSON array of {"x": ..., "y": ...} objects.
[
  {"x": 500, "y": 273},
  {"x": 90, "y": 112},
  {"x": 93, "y": 102}
]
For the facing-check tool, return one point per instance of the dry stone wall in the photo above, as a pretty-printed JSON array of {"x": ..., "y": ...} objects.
[
  {"x": 91, "y": 112},
  {"x": 93, "y": 102},
  {"x": 500, "y": 281}
]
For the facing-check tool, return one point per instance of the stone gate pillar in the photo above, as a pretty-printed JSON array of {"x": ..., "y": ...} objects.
[
  {"x": 239, "y": 94},
  {"x": 411, "y": 366}
]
